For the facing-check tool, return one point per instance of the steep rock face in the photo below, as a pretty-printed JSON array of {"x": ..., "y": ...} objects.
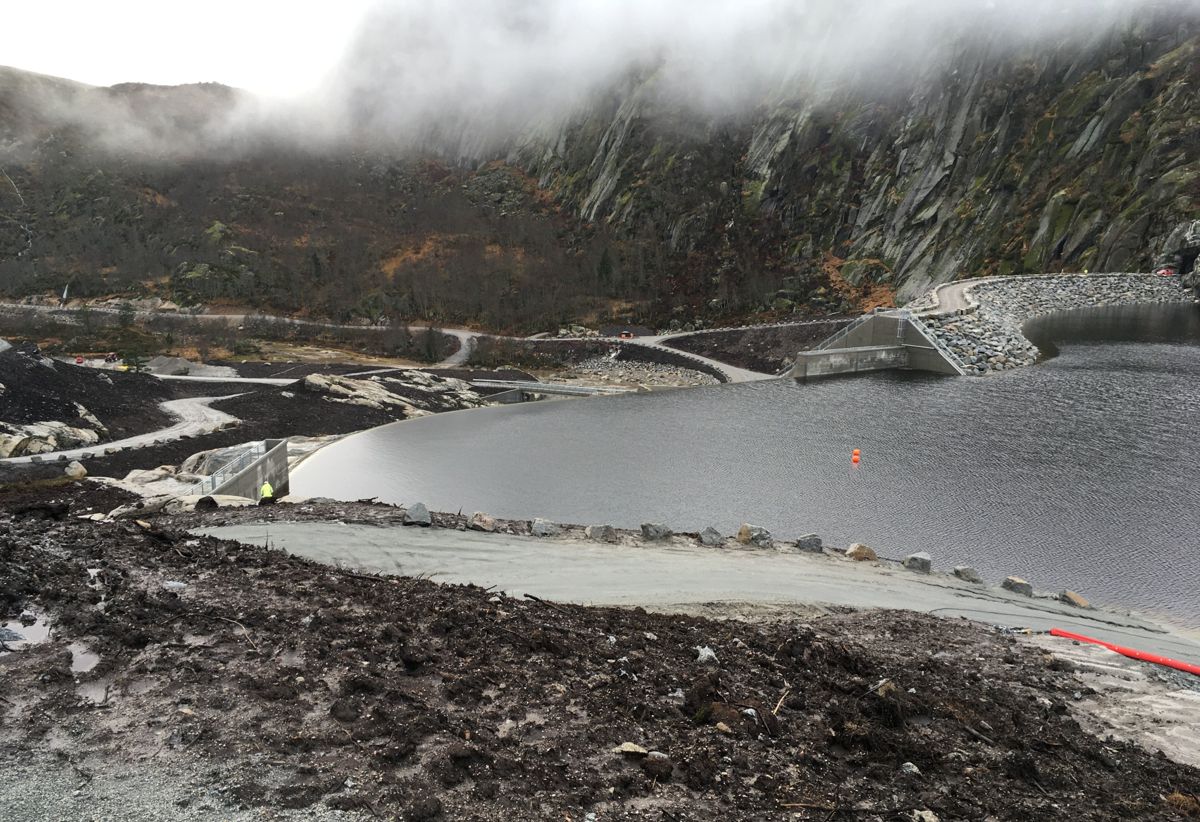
[{"x": 1081, "y": 157}]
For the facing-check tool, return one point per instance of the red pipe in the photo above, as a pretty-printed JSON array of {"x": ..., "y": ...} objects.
[{"x": 1132, "y": 653}]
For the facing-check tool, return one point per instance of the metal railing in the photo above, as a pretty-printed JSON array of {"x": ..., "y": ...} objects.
[
  {"x": 832, "y": 342},
  {"x": 936, "y": 343},
  {"x": 229, "y": 470}
]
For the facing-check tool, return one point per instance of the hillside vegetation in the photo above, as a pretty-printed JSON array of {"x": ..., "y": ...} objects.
[{"x": 1081, "y": 157}]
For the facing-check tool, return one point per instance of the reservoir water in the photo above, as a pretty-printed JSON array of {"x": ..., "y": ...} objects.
[{"x": 1079, "y": 472}]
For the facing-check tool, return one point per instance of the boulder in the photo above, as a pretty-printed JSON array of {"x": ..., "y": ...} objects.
[
  {"x": 862, "y": 553},
  {"x": 712, "y": 537},
  {"x": 754, "y": 535},
  {"x": 1017, "y": 586},
  {"x": 630, "y": 749},
  {"x": 418, "y": 514},
  {"x": 1072, "y": 598},
  {"x": 482, "y": 522},
  {"x": 968, "y": 574},
  {"x": 13, "y": 445},
  {"x": 544, "y": 528},
  {"x": 920, "y": 562},
  {"x": 75, "y": 470},
  {"x": 652, "y": 532},
  {"x": 191, "y": 502},
  {"x": 150, "y": 505},
  {"x": 811, "y": 543},
  {"x": 601, "y": 533}
]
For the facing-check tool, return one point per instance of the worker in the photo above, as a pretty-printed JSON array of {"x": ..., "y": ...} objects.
[{"x": 266, "y": 494}]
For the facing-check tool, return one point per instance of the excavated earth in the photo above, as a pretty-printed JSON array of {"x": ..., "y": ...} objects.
[
  {"x": 264, "y": 412},
  {"x": 37, "y": 389},
  {"x": 300, "y": 686}
]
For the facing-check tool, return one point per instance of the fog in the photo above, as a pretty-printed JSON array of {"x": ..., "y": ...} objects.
[
  {"x": 483, "y": 72},
  {"x": 505, "y": 66}
]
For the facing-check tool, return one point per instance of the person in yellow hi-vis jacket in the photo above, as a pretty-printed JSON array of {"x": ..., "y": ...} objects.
[{"x": 266, "y": 494}]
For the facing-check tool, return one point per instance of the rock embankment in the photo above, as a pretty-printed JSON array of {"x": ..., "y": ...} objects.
[
  {"x": 988, "y": 335},
  {"x": 414, "y": 393},
  {"x": 608, "y": 369}
]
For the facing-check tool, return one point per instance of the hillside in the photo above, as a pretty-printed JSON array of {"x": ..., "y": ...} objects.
[{"x": 1068, "y": 158}]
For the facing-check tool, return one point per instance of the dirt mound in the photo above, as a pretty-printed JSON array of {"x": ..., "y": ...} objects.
[
  {"x": 37, "y": 389},
  {"x": 407, "y": 699}
]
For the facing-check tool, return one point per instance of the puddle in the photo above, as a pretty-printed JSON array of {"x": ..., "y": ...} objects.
[
  {"x": 18, "y": 637},
  {"x": 95, "y": 691},
  {"x": 293, "y": 659},
  {"x": 140, "y": 686},
  {"x": 82, "y": 660}
]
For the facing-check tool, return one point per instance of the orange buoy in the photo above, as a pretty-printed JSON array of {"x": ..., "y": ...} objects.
[
  {"x": 856, "y": 452},
  {"x": 855, "y": 459}
]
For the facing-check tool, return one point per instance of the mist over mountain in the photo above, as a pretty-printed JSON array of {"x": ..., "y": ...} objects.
[
  {"x": 523, "y": 163},
  {"x": 484, "y": 71}
]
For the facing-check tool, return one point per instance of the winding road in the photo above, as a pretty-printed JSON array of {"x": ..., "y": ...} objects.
[{"x": 194, "y": 417}]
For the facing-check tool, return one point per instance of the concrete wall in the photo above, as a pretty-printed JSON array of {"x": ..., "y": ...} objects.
[
  {"x": 271, "y": 466},
  {"x": 877, "y": 342},
  {"x": 924, "y": 354},
  {"x": 832, "y": 361}
]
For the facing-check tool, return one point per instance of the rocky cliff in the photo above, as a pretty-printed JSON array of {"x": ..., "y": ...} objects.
[
  {"x": 1077, "y": 157},
  {"x": 1067, "y": 157}
]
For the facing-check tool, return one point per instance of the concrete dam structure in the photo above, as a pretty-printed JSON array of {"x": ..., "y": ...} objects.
[
  {"x": 875, "y": 342},
  {"x": 259, "y": 462}
]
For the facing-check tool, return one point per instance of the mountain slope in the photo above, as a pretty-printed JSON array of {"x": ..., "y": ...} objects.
[{"x": 1083, "y": 156}]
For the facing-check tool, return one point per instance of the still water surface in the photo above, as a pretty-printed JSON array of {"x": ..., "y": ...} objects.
[{"x": 1078, "y": 472}]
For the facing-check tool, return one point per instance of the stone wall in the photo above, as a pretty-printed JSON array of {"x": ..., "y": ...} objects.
[{"x": 988, "y": 336}]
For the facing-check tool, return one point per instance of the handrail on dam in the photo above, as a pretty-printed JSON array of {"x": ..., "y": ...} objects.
[{"x": 259, "y": 462}]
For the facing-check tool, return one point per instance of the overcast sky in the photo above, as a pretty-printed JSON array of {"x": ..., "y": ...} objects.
[
  {"x": 281, "y": 49},
  {"x": 273, "y": 47}
]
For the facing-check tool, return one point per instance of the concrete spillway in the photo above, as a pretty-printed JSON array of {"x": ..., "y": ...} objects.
[{"x": 875, "y": 342}]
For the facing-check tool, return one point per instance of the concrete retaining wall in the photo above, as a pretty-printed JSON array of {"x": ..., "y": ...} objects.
[
  {"x": 877, "y": 342},
  {"x": 270, "y": 467},
  {"x": 832, "y": 361}
]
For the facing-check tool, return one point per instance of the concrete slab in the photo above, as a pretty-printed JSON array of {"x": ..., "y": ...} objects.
[{"x": 682, "y": 577}]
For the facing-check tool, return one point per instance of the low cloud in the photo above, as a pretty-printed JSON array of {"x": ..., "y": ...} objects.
[{"x": 473, "y": 74}]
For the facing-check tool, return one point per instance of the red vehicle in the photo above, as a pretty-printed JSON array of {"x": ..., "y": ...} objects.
[{"x": 626, "y": 335}]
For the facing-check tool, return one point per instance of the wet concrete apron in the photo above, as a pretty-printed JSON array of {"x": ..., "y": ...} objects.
[{"x": 683, "y": 578}]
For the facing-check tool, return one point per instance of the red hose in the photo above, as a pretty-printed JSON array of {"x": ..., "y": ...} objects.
[{"x": 1132, "y": 653}]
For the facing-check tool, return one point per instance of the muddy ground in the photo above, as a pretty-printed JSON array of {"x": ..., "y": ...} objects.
[
  {"x": 40, "y": 390},
  {"x": 266, "y": 412},
  {"x": 305, "y": 686},
  {"x": 767, "y": 350}
]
